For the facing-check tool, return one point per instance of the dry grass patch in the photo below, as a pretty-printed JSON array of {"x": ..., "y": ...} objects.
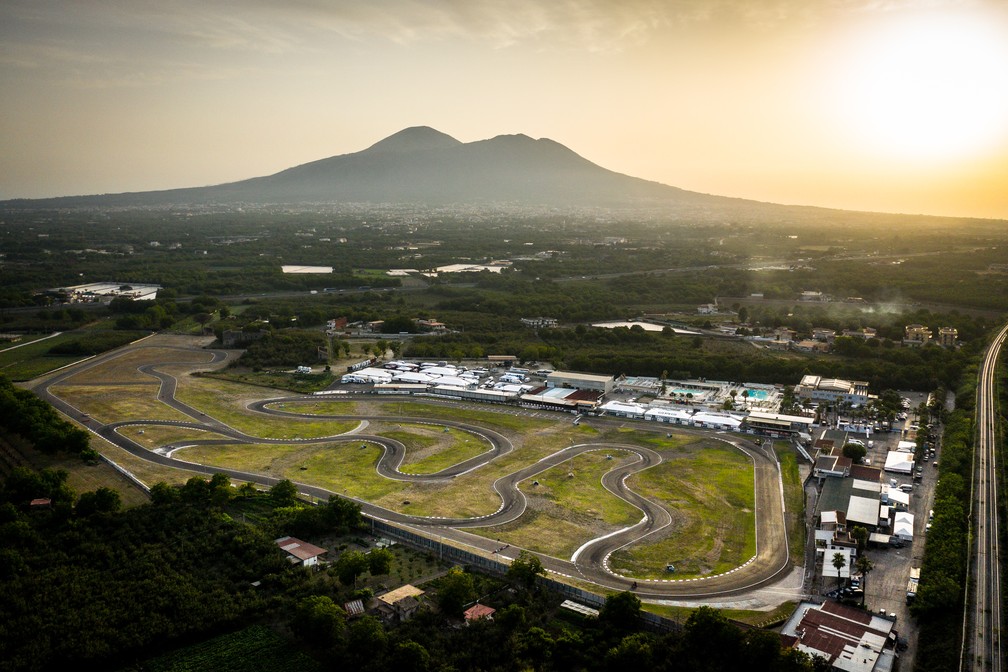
[
  {"x": 125, "y": 368},
  {"x": 228, "y": 402},
  {"x": 148, "y": 472},
  {"x": 116, "y": 403}
]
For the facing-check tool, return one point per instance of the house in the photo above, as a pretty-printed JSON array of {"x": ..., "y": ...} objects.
[
  {"x": 850, "y": 639},
  {"x": 811, "y": 345},
  {"x": 824, "y": 335},
  {"x": 478, "y": 611},
  {"x": 399, "y": 605},
  {"x": 707, "y": 309},
  {"x": 300, "y": 552},
  {"x": 811, "y": 296}
]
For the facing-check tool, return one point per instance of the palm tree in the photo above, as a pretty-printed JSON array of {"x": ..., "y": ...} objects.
[
  {"x": 839, "y": 561},
  {"x": 864, "y": 566}
]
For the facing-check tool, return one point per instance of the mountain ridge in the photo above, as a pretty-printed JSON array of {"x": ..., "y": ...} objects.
[{"x": 422, "y": 165}]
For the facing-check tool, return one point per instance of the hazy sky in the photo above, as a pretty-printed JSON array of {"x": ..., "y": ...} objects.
[{"x": 891, "y": 105}]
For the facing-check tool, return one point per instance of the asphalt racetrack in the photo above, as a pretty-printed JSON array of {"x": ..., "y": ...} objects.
[{"x": 770, "y": 563}]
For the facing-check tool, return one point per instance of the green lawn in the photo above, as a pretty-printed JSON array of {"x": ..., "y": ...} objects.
[
  {"x": 503, "y": 419},
  {"x": 710, "y": 494}
]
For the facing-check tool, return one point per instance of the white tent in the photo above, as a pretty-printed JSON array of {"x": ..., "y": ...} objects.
[
  {"x": 900, "y": 463},
  {"x": 903, "y": 525}
]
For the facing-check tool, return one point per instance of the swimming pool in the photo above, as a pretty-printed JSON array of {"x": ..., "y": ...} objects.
[{"x": 757, "y": 395}]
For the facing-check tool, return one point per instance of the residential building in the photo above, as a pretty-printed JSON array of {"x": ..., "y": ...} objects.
[
  {"x": 916, "y": 334},
  {"x": 947, "y": 336},
  {"x": 399, "y": 605}
]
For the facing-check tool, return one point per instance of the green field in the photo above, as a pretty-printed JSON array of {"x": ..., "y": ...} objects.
[
  {"x": 568, "y": 507},
  {"x": 30, "y": 360},
  {"x": 794, "y": 500},
  {"x": 494, "y": 419},
  {"x": 430, "y": 449},
  {"x": 156, "y": 436},
  {"x": 311, "y": 407},
  {"x": 710, "y": 495}
]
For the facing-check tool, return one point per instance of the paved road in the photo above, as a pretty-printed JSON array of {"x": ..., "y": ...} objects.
[
  {"x": 770, "y": 563},
  {"x": 982, "y": 618}
]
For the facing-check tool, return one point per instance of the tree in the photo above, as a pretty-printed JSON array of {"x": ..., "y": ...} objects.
[
  {"x": 349, "y": 566},
  {"x": 455, "y": 591},
  {"x": 102, "y": 500},
  {"x": 284, "y": 493},
  {"x": 864, "y": 566},
  {"x": 839, "y": 561},
  {"x": 319, "y": 620},
  {"x": 409, "y": 656},
  {"x": 621, "y": 611},
  {"x": 524, "y": 569},
  {"x": 860, "y": 535},
  {"x": 855, "y": 452},
  {"x": 380, "y": 561}
]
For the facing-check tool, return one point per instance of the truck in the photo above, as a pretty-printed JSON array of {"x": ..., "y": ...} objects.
[{"x": 912, "y": 584}]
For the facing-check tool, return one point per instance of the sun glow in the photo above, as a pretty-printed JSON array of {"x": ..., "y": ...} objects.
[{"x": 929, "y": 87}]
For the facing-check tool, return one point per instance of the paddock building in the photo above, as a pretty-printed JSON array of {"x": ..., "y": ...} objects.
[{"x": 580, "y": 381}]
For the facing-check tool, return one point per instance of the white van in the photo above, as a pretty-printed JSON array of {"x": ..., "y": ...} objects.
[{"x": 906, "y": 487}]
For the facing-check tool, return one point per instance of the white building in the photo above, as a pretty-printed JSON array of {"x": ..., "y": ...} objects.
[
  {"x": 300, "y": 552},
  {"x": 832, "y": 390},
  {"x": 580, "y": 381}
]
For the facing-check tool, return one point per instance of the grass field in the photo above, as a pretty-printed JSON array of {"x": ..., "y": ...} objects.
[
  {"x": 568, "y": 507},
  {"x": 226, "y": 401},
  {"x": 430, "y": 449},
  {"x": 279, "y": 380},
  {"x": 757, "y": 619},
  {"x": 155, "y": 436},
  {"x": 794, "y": 500},
  {"x": 31, "y": 361},
  {"x": 494, "y": 419},
  {"x": 710, "y": 495},
  {"x": 116, "y": 403},
  {"x": 124, "y": 368},
  {"x": 311, "y": 407}
]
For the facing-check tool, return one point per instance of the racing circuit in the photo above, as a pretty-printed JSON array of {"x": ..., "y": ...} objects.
[{"x": 770, "y": 563}]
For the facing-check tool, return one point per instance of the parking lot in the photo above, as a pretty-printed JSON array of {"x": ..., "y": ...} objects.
[{"x": 886, "y": 585}]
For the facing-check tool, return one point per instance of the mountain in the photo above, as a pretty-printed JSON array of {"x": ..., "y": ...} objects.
[{"x": 424, "y": 166}]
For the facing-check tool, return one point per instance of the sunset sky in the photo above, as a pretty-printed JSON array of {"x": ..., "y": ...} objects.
[{"x": 888, "y": 105}]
